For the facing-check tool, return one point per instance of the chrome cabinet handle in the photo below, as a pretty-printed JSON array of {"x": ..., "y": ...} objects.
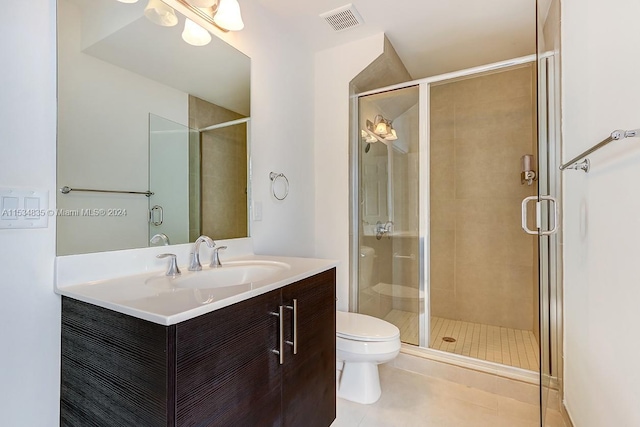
[
  {"x": 539, "y": 215},
  {"x": 280, "y": 351},
  {"x": 294, "y": 308},
  {"x": 525, "y": 203}
]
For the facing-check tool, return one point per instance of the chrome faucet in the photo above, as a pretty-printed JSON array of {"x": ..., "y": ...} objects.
[
  {"x": 215, "y": 258},
  {"x": 382, "y": 229},
  {"x": 160, "y": 237},
  {"x": 194, "y": 264}
]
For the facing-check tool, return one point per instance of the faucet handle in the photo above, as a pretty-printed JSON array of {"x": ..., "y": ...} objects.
[
  {"x": 173, "y": 269},
  {"x": 215, "y": 259}
]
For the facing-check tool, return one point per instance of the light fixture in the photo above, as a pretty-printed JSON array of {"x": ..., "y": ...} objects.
[
  {"x": 202, "y": 3},
  {"x": 194, "y": 34},
  {"x": 228, "y": 15},
  {"x": 160, "y": 13},
  {"x": 382, "y": 128},
  {"x": 367, "y": 137},
  {"x": 128, "y": 1},
  {"x": 223, "y": 14}
]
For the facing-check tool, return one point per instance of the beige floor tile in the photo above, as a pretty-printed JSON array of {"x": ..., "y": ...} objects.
[{"x": 412, "y": 400}]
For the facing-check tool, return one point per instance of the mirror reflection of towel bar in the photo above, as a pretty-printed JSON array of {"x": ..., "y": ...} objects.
[
  {"x": 411, "y": 257},
  {"x": 67, "y": 190}
]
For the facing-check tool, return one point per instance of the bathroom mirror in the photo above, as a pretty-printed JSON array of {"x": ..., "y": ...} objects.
[{"x": 142, "y": 111}]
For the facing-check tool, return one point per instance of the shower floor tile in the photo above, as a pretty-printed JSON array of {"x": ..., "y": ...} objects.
[{"x": 512, "y": 347}]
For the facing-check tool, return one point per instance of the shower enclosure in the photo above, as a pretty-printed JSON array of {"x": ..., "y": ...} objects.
[{"x": 440, "y": 169}]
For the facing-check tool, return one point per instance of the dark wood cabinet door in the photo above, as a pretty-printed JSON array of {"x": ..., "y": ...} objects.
[
  {"x": 309, "y": 387},
  {"x": 113, "y": 369},
  {"x": 227, "y": 374}
]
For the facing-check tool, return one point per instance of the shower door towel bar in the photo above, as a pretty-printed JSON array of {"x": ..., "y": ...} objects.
[
  {"x": 585, "y": 165},
  {"x": 67, "y": 190}
]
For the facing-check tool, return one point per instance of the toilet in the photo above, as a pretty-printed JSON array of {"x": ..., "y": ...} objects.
[{"x": 362, "y": 343}]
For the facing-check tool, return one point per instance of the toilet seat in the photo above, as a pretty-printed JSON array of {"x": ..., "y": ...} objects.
[{"x": 360, "y": 327}]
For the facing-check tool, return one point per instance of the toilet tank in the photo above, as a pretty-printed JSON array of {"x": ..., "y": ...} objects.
[{"x": 365, "y": 274}]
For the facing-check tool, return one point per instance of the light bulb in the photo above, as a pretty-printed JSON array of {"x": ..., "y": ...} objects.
[
  {"x": 381, "y": 128},
  {"x": 228, "y": 15},
  {"x": 160, "y": 13},
  {"x": 194, "y": 34}
]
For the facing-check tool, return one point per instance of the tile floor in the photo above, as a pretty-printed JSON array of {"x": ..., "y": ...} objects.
[
  {"x": 513, "y": 347},
  {"x": 507, "y": 346},
  {"x": 413, "y": 400}
]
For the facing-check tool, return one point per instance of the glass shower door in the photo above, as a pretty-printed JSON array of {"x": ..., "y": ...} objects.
[
  {"x": 389, "y": 285},
  {"x": 168, "y": 180}
]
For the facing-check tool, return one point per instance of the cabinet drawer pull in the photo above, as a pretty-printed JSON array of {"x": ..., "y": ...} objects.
[
  {"x": 280, "y": 351},
  {"x": 294, "y": 308}
]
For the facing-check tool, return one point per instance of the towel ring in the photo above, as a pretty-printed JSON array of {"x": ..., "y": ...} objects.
[{"x": 274, "y": 177}]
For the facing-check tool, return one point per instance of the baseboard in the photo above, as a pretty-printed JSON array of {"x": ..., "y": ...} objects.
[{"x": 565, "y": 416}]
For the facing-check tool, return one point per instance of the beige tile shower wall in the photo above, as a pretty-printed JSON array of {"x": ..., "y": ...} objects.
[
  {"x": 482, "y": 266},
  {"x": 223, "y": 173}
]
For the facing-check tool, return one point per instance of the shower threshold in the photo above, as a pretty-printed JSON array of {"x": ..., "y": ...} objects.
[{"x": 507, "y": 346}]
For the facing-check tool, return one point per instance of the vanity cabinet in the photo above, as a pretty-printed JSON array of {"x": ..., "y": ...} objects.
[{"x": 218, "y": 369}]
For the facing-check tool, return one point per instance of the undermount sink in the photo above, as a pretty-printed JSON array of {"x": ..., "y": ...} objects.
[{"x": 233, "y": 273}]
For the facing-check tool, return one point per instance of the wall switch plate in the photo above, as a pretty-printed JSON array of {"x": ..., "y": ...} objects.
[
  {"x": 257, "y": 211},
  {"x": 24, "y": 208}
]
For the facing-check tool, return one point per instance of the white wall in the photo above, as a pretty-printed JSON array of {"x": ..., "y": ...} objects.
[
  {"x": 334, "y": 69},
  {"x": 282, "y": 140},
  {"x": 29, "y": 310},
  {"x": 601, "y": 92},
  {"x": 281, "y": 130}
]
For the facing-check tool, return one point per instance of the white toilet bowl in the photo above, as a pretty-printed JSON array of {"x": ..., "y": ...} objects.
[{"x": 362, "y": 343}]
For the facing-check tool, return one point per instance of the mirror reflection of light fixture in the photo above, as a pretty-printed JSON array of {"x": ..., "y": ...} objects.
[
  {"x": 382, "y": 128},
  {"x": 223, "y": 14},
  {"x": 194, "y": 34},
  {"x": 202, "y": 3},
  {"x": 160, "y": 13},
  {"x": 369, "y": 139}
]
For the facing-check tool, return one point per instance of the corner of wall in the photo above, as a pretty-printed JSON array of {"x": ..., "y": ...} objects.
[{"x": 334, "y": 70}]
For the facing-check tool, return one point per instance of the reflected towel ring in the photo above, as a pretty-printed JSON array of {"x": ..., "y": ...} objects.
[{"x": 274, "y": 177}]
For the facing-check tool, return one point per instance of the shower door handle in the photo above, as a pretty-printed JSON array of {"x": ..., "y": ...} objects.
[
  {"x": 538, "y": 200},
  {"x": 154, "y": 219},
  {"x": 525, "y": 204},
  {"x": 555, "y": 215}
]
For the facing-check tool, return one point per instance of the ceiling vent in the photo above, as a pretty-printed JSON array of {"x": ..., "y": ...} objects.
[{"x": 343, "y": 18}]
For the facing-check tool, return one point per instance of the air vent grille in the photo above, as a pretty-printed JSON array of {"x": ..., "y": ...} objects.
[{"x": 343, "y": 18}]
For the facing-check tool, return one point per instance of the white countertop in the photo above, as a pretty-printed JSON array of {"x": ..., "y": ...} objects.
[{"x": 151, "y": 296}]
